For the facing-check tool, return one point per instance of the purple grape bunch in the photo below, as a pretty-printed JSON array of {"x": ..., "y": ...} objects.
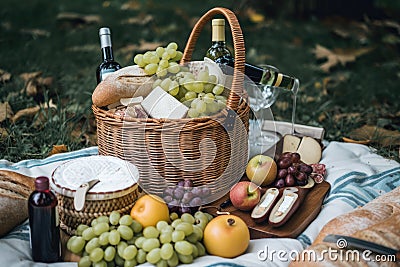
[
  {"x": 184, "y": 197},
  {"x": 291, "y": 170}
]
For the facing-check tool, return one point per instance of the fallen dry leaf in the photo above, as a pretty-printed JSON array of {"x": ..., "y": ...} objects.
[
  {"x": 376, "y": 134},
  {"x": 321, "y": 117},
  {"x": 352, "y": 116},
  {"x": 337, "y": 56},
  {"x": 89, "y": 139},
  {"x": 23, "y": 113},
  {"x": 352, "y": 29},
  {"x": 5, "y": 111},
  {"x": 140, "y": 20},
  {"x": 6, "y": 25},
  {"x": 36, "y": 32},
  {"x": 131, "y": 5},
  {"x": 58, "y": 149},
  {"x": 255, "y": 16},
  {"x": 4, "y": 76},
  {"x": 143, "y": 46},
  {"x": 26, "y": 76},
  {"x": 3, "y": 133},
  {"x": 46, "y": 81},
  {"x": 30, "y": 112},
  {"x": 132, "y": 49},
  {"x": 387, "y": 23},
  {"x": 361, "y": 142},
  {"x": 84, "y": 48},
  {"x": 76, "y": 19},
  {"x": 34, "y": 84},
  {"x": 333, "y": 81}
]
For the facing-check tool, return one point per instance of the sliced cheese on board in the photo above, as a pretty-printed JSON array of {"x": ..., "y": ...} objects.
[
  {"x": 310, "y": 150},
  {"x": 290, "y": 143}
]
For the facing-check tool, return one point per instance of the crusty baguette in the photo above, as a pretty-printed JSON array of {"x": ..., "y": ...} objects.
[
  {"x": 15, "y": 189},
  {"x": 386, "y": 232},
  {"x": 17, "y": 178},
  {"x": 358, "y": 219},
  {"x": 130, "y": 81},
  {"x": 378, "y": 222}
]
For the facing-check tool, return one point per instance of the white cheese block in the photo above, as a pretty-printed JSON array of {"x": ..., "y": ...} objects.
[
  {"x": 310, "y": 150},
  {"x": 290, "y": 143},
  {"x": 159, "y": 104}
]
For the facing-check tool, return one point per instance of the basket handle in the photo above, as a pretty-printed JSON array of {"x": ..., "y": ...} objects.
[{"x": 238, "y": 44}]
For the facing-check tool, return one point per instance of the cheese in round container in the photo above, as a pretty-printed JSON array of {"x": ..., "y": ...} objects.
[{"x": 93, "y": 186}]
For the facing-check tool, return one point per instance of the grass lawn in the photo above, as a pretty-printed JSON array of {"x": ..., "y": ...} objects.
[{"x": 49, "y": 57}]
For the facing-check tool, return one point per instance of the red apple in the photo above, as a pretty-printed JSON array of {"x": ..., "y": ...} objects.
[
  {"x": 245, "y": 195},
  {"x": 261, "y": 170}
]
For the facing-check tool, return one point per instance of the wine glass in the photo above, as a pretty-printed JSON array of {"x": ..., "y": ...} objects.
[{"x": 261, "y": 98}]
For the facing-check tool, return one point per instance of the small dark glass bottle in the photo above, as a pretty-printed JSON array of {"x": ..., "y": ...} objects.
[
  {"x": 108, "y": 65},
  {"x": 44, "y": 223}
]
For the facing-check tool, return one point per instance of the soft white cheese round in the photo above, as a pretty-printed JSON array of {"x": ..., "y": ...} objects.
[{"x": 114, "y": 174}]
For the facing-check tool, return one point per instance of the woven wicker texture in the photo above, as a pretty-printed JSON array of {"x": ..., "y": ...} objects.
[
  {"x": 168, "y": 150},
  {"x": 70, "y": 218}
]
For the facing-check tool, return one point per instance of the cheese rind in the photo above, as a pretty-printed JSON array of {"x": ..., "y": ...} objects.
[{"x": 159, "y": 104}]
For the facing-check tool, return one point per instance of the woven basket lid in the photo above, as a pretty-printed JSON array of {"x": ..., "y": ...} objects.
[{"x": 117, "y": 177}]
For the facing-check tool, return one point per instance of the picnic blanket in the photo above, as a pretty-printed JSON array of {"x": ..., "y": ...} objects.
[{"x": 356, "y": 174}]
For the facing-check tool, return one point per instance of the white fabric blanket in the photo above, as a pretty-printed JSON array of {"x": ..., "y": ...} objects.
[{"x": 357, "y": 175}]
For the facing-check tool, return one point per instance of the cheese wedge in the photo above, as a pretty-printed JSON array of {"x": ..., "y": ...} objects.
[
  {"x": 310, "y": 150},
  {"x": 290, "y": 143}
]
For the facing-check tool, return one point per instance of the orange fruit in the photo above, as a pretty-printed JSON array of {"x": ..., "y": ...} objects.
[
  {"x": 150, "y": 209},
  {"x": 226, "y": 236}
]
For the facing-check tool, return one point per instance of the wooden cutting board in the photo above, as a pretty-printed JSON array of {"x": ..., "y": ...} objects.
[{"x": 299, "y": 221}]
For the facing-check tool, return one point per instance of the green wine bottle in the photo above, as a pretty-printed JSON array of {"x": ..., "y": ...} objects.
[
  {"x": 265, "y": 75},
  {"x": 218, "y": 47}
]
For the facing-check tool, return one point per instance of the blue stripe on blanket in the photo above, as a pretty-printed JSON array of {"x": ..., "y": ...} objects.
[
  {"x": 52, "y": 159},
  {"x": 304, "y": 240},
  {"x": 356, "y": 189},
  {"x": 20, "y": 232}
]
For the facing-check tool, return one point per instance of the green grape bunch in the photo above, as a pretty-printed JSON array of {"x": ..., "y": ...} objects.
[
  {"x": 160, "y": 61},
  {"x": 201, "y": 93},
  {"x": 117, "y": 240}
]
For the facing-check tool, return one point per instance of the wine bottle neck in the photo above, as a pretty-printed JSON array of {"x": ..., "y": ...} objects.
[
  {"x": 105, "y": 43},
  {"x": 107, "y": 53},
  {"x": 216, "y": 44},
  {"x": 218, "y": 30}
]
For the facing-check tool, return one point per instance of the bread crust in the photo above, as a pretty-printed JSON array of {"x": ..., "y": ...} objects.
[
  {"x": 130, "y": 81},
  {"x": 15, "y": 190},
  {"x": 378, "y": 222}
]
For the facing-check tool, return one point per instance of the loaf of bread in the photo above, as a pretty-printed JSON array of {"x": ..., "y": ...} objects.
[
  {"x": 130, "y": 81},
  {"x": 14, "y": 193},
  {"x": 378, "y": 222},
  {"x": 360, "y": 218}
]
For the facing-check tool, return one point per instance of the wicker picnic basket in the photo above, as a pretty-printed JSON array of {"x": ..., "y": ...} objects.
[{"x": 211, "y": 151}]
